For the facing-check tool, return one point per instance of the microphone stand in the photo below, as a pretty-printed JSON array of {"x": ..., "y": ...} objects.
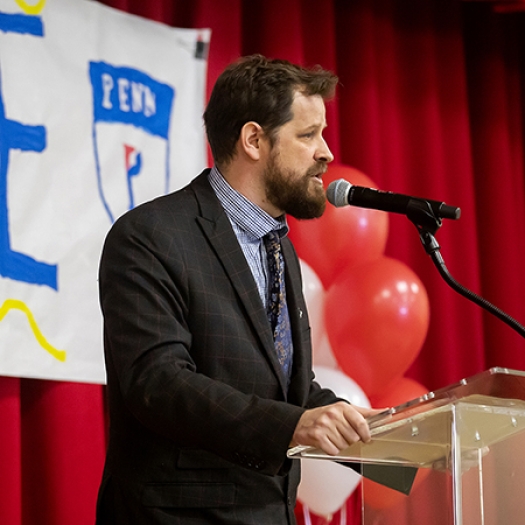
[{"x": 421, "y": 214}]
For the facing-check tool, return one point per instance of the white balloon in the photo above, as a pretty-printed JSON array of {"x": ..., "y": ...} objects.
[
  {"x": 314, "y": 293},
  {"x": 342, "y": 385},
  {"x": 322, "y": 354},
  {"x": 325, "y": 486}
]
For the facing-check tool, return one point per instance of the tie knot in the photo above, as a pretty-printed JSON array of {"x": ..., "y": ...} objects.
[{"x": 272, "y": 241}]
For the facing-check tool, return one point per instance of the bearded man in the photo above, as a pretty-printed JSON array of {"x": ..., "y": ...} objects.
[{"x": 206, "y": 333}]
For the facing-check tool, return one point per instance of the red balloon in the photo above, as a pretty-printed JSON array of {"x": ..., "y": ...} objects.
[
  {"x": 342, "y": 237},
  {"x": 400, "y": 391},
  {"x": 378, "y": 496},
  {"x": 376, "y": 318}
]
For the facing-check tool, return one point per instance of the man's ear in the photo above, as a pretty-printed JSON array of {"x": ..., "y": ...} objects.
[{"x": 252, "y": 139}]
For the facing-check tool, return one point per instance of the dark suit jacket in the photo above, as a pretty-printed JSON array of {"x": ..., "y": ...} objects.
[{"x": 200, "y": 419}]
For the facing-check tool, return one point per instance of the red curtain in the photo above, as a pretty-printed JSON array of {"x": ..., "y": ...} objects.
[{"x": 430, "y": 104}]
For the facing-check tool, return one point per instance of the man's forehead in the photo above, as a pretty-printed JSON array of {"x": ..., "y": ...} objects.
[{"x": 308, "y": 109}]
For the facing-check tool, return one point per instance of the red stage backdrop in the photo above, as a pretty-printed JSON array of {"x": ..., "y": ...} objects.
[{"x": 429, "y": 104}]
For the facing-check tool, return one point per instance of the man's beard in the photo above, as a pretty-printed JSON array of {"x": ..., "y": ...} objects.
[{"x": 294, "y": 195}]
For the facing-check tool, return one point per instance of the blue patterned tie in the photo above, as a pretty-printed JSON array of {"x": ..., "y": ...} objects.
[{"x": 277, "y": 309}]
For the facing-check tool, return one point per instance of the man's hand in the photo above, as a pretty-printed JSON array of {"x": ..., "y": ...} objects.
[{"x": 334, "y": 427}]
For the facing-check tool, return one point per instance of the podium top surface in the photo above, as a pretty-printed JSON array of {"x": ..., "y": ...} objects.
[
  {"x": 497, "y": 383},
  {"x": 473, "y": 414}
]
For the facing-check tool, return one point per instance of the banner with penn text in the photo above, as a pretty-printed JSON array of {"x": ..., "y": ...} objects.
[{"x": 99, "y": 111}]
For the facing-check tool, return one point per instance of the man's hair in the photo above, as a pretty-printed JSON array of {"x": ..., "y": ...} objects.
[{"x": 262, "y": 90}]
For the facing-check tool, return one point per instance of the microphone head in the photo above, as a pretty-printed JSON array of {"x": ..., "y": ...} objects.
[{"x": 337, "y": 192}]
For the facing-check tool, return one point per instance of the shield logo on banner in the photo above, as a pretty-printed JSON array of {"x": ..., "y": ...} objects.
[{"x": 132, "y": 109}]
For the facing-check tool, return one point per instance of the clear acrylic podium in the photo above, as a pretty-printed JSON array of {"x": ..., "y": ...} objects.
[{"x": 464, "y": 443}]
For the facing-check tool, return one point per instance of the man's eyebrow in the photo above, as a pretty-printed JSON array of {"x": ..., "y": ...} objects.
[{"x": 315, "y": 126}]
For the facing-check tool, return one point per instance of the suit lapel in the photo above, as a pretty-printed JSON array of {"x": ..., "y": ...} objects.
[
  {"x": 299, "y": 322},
  {"x": 217, "y": 228}
]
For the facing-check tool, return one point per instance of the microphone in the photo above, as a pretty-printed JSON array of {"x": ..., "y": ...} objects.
[{"x": 341, "y": 193}]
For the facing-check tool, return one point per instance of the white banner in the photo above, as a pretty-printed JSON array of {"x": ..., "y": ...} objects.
[{"x": 99, "y": 111}]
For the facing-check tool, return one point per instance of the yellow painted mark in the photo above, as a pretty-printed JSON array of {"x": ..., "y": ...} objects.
[
  {"x": 10, "y": 304},
  {"x": 31, "y": 9}
]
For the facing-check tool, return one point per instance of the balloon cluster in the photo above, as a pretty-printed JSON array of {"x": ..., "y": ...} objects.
[{"x": 369, "y": 317}]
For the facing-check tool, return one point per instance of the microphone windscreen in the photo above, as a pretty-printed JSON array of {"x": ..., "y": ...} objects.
[{"x": 337, "y": 192}]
